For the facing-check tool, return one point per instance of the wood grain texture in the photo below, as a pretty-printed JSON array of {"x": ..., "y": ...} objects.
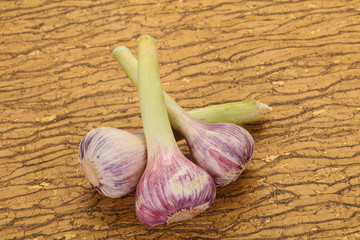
[{"x": 58, "y": 81}]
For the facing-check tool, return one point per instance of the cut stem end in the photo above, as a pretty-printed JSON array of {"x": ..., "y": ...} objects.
[
  {"x": 90, "y": 172},
  {"x": 263, "y": 106}
]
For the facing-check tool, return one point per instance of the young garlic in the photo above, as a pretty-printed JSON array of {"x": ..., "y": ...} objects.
[
  {"x": 172, "y": 188},
  {"x": 114, "y": 168},
  {"x": 112, "y": 160},
  {"x": 222, "y": 149}
]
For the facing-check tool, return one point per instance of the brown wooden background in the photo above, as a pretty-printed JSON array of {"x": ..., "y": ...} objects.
[{"x": 59, "y": 80}]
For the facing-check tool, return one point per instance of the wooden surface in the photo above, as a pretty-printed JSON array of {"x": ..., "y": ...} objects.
[{"x": 59, "y": 80}]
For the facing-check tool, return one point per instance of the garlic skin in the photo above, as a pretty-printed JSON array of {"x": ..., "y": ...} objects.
[
  {"x": 112, "y": 160},
  {"x": 180, "y": 191},
  {"x": 222, "y": 149}
]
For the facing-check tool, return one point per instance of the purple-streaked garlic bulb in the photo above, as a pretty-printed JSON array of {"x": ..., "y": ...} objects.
[
  {"x": 224, "y": 152},
  {"x": 112, "y": 160},
  {"x": 222, "y": 149},
  {"x": 172, "y": 188}
]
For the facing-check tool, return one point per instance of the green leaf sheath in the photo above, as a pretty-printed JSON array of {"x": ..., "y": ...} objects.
[
  {"x": 157, "y": 128},
  {"x": 247, "y": 111}
]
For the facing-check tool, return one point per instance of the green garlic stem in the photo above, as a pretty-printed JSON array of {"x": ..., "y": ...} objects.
[
  {"x": 156, "y": 124},
  {"x": 243, "y": 112},
  {"x": 179, "y": 118},
  {"x": 128, "y": 63},
  {"x": 247, "y": 111}
]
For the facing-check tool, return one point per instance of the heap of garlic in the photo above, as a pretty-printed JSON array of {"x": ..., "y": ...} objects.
[{"x": 169, "y": 187}]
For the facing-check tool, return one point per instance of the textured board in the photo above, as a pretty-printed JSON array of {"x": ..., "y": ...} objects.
[{"x": 58, "y": 80}]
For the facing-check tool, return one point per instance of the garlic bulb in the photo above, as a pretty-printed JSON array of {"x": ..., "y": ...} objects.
[
  {"x": 172, "y": 188},
  {"x": 112, "y": 160},
  {"x": 222, "y": 149}
]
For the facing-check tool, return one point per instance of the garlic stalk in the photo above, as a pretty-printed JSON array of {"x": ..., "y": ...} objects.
[
  {"x": 222, "y": 149},
  {"x": 247, "y": 111},
  {"x": 172, "y": 188}
]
